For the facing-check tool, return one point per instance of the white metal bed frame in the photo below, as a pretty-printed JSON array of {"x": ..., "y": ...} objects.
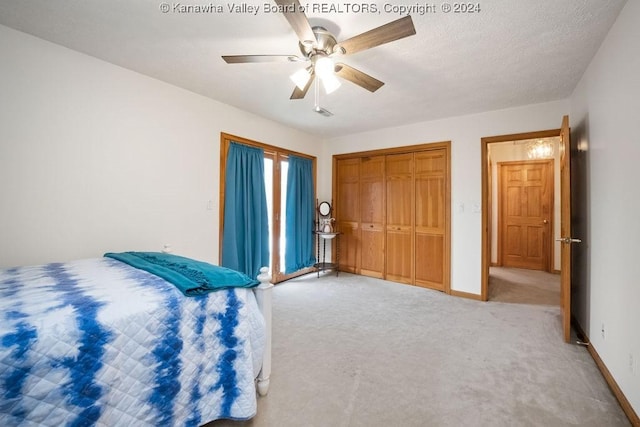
[{"x": 263, "y": 297}]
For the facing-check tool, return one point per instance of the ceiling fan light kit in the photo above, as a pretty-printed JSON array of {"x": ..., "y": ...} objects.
[
  {"x": 320, "y": 47},
  {"x": 301, "y": 77},
  {"x": 324, "y": 69},
  {"x": 330, "y": 83},
  {"x": 324, "y": 66}
]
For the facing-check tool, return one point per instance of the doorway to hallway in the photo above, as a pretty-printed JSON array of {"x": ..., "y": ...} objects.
[{"x": 522, "y": 200}]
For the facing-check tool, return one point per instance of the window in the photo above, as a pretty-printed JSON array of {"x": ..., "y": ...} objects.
[{"x": 275, "y": 169}]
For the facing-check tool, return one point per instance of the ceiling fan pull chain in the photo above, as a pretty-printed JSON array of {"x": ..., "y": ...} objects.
[{"x": 316, "y": 107}]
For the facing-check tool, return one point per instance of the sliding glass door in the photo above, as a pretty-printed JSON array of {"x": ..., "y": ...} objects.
[
  {"x": 276, "y": 166},
  {"x": 284, "y": 168},
  {"x": 275, "y": 179}
]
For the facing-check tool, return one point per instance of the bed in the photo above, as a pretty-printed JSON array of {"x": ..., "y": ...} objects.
[{"x": 104, "y": 342}]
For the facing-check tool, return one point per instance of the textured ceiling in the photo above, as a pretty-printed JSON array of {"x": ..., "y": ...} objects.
[{"x": 509, "y": 53}]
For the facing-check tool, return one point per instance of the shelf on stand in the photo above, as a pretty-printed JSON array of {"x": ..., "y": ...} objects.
[
  {"x": 325, "y": 265},
  {"x": 322, "y": 264}
]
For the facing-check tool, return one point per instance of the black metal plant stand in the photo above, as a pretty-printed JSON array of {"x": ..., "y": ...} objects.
[{"x": 324, "y": 232}]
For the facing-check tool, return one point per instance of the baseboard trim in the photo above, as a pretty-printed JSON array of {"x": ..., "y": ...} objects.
[
  {"x": 613, "y": 385},
  {"x": 467, "y": 295}
]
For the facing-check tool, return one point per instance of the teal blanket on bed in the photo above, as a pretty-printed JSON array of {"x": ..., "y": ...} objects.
[{"x": 191, "y": 277}]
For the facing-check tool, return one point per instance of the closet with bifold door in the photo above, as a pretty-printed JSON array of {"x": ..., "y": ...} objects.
[{"x": 393, "y": 209}]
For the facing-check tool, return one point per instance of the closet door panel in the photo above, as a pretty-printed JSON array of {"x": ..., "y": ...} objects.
[
  {"x": 348, "y": 206},
  {"x": 430, "y": 218},
  {"x": 430, "y": 261},
  {"x": 372, "y": 216},
  {"x": 347, "y": 214},
  {"x": 372, "y": 252},
  {"x": 430, "y": 209},
  {"x": 399, "y": 217},
  {"x": 398, "y": 263},
  {"x": 372, "y": 190},
  {"x": 348, "y": 245}
]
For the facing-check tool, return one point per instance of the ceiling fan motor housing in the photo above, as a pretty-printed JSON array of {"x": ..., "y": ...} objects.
[{"x": 325, "y": 43}]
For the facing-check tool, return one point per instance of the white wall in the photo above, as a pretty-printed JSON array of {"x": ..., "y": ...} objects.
[
  {"x": 96, "y": 158},
  {"x": 605, "y": 116},
  {"x": 465, "y": 133}
]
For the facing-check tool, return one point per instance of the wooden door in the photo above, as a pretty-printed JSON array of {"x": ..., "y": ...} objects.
[
  {"x": 399, "y": 217},
  {"x": 372, "y": 197},
  {"x": 393, "y": 208},
  {"x": 347, "y": 214},
  {"x": 565, "y": 228},
  {"x": 430, "y": 219},
  {"x": 525, "y": 214}
]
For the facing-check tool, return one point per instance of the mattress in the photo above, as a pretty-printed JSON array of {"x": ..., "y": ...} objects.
[{"x": 98, "y": 342}]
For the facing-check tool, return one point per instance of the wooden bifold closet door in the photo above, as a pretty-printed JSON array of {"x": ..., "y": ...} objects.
[
  {"x": 400, "y": 206},
  {"x": 430, "y": 219},
  {"x": 372, "y": 197},
  {"x": 347, "y": 214},
  {"x": 392, "y": 207}
]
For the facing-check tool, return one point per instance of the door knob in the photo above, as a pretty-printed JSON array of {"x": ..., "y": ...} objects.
[
  {"x": 568, "y": 240},
  {"x": 544, "y": 221}
]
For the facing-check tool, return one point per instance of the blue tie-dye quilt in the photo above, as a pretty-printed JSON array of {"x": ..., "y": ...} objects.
[{"x": 98, "y": 342}]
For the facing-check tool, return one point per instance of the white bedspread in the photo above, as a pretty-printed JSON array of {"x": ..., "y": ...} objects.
[{"x": 97, "y": 342}]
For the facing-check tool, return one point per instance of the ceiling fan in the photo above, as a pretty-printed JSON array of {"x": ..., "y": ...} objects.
[{"x": 320, "y": 47}]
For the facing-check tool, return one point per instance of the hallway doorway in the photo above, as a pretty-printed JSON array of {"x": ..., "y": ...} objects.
[
  {"x": 562, "y": 161},
  {"x": 511, "y": 236}
]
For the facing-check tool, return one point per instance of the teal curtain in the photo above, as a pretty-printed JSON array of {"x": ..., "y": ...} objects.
[
  {"x": 300, "y": 215},
  {"x": 245, "y": 240}
]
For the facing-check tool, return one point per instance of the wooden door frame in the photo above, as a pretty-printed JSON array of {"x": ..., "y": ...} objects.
[
  {"x": 565, "y": 227},
  {"x": 549, "y": 243},
  {"x": 486, "y": 208}
]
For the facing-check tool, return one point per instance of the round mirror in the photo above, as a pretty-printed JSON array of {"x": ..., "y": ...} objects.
[{"x": 324, "y": 208}]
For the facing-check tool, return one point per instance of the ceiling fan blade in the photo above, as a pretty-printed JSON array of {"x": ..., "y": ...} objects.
[
  {"x": 245, "y": 59},
  {"x": 392, "y": 31},
  {"x": 300, "y": 93},
  {"x": 298, "y": 20},
  {"x": 358, "y": 77}
]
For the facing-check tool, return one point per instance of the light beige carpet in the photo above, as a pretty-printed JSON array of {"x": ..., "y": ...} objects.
[
  {"x": 355, "y": 351},
  {"x": 519, "y": 286}
]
